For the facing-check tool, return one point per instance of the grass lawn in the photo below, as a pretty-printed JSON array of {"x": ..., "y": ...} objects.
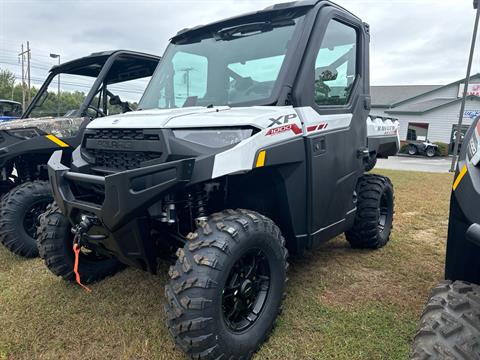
[{"x": 341, "y": 304}]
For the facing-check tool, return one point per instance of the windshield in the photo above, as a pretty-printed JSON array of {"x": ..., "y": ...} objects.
[
  {"x": 234, "y": 65},
  {"x": 10, "y": 109}
]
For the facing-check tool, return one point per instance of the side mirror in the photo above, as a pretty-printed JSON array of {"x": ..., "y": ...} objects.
[{"x": 329, "y": 75}]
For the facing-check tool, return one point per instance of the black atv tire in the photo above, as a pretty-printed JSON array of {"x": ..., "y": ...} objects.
[
  {"x": 450, "y": 324},
  {"x": 371, "y": 162},
  {"x": 200, "y": 309},
  {"x": 412, "y": 150},
  {"x": 431, "y": 152},
  {"x": 374, "y": 217},
  {"x": 19, "y": 212},
  {"x": 55, "y": 243}
]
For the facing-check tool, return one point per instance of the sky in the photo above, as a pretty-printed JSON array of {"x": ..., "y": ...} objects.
[{"x": 412, "y": 41}]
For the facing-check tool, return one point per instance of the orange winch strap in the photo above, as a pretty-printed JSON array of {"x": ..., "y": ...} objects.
[{"x": 76, "y": 250}]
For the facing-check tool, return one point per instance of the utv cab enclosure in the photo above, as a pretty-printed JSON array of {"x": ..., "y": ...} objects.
[
  {"x": 250, "y": 138},
  {"x": 27, "y": 143},
  {"x": 10, "y": 110}
]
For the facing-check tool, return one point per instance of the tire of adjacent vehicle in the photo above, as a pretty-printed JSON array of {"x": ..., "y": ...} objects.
[
  {"x": 371, "y": 162},
  {"x": 431, "y": 151},
  {"x": 450, "y": 324},
  {"x": 55, "y": 243},
  {"x": 195, "y": 294},
  {"x": 374, "y": 216},
  {"x": 14, "y": 208},
  {"x": 412, "y": 150}
]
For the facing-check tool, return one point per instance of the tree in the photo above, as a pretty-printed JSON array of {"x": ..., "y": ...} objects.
[{"x": 7, "y": 84}]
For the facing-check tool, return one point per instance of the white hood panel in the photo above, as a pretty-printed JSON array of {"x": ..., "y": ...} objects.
[{"x": 192, "y": 117}]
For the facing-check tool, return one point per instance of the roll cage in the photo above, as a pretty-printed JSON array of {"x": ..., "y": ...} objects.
[{"x": 108, "y": 67}]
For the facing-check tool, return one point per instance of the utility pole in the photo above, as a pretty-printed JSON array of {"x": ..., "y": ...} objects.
[
  {"x": 22, "y": 58},
  {"x": 25, "y": 83},
  {"x": 465, "y": 89},
  {"x": 28, "y": 72}
]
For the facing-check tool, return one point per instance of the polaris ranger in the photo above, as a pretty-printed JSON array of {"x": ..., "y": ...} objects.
[
  {"x": 27, "y": 143},
  {"x": 450, "y": 323},
  {"x": 10, "y": 110},
  {"x": 251, "y": 138}
]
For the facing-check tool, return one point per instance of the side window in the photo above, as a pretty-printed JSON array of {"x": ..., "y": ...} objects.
[
  {"x": 190, "y": 77},
  {"x": 335, "y": 66}
]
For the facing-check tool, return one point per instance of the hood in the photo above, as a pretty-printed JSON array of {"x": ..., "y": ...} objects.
[
  {"x": 192, "y": 117},
  {"x": 58, "y": 126}
]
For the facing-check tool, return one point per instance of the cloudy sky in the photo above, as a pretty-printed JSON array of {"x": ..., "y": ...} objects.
[{"x": 413, "y": 41}]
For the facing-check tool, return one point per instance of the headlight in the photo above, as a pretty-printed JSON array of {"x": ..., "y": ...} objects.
[
  {"x": 213, "y": 138},
  {"x": 25, "y": 133}
]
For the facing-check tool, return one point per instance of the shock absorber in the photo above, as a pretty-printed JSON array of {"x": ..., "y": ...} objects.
[
  {"x": 169, "y": 212},
  {"x": 201, "y": 215}
]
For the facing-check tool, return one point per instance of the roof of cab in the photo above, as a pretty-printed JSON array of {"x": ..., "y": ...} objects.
[
  {"x": 92, "y": 64},
  {"x": 5, "y": 101},
  {"x": 269, "y": 9}
]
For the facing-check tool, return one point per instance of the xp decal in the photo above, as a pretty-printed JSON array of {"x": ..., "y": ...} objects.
[{"x": 286, "y": 119}]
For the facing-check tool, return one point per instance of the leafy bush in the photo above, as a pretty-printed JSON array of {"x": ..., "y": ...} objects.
[
  {"x": 403, "y": 149},
  {"x": 442, "y": 149}
]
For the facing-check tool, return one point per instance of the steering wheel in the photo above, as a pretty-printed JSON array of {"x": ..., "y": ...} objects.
[
  {"x": 99, "y": 112},
  {"x": 258, "y": 88}
]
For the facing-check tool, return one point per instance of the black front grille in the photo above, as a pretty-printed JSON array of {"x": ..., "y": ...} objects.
[
  {"x": 121, "y": 160},
  {"x": 121, "y": 149},
  {"x": 121, "y": 134}
]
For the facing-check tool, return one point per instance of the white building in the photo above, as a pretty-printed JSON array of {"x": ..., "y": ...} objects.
[{"x": 427, "y": 111}]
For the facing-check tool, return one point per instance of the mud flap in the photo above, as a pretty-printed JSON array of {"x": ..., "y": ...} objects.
[{"x": 462, "y": 262}]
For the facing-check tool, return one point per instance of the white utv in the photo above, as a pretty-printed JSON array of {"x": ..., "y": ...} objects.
[{"x": 250, "y": 139}]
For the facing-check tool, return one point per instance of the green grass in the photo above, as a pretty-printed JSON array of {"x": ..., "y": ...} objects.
[{"x": 341, "y": 304}]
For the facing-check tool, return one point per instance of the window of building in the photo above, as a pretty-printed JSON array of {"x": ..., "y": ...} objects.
[
  {"x": 335, "y": 66},
  {"x": 417, "y": 131}
]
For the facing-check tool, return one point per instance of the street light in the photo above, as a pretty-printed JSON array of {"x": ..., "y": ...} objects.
[
  {"x": 465, "y": 89},
  {"x": 55, "y": 56}
]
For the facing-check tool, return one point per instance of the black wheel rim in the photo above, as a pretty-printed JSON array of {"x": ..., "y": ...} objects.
[
  {"x": 384, "y": 212},
  {"x": 246, "y": 290},
  {"x": 31, "y": 218}
]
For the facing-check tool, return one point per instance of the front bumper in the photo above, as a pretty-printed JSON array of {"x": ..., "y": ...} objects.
[{"x": 127, "y": 196}]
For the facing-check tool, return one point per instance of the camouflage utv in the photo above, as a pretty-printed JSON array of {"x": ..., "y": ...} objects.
[{"x": 27, "y": 143}]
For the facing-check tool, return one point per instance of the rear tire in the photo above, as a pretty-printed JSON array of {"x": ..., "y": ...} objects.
[
  {"x": 412, "y": 150},
  {"x": 374, "y": 217},
  {"x": 20, "y": 209},
  {"x": 221, "y": 278},
  {"x": 55, "y": 243},
  {"x": 450, "y": 324}
]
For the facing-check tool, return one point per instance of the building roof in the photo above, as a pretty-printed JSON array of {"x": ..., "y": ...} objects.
[
  {"x": 386, "y": 96},
  {"x": 425, "y": 106}
]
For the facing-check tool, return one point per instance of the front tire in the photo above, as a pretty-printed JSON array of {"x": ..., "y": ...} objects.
[
  {"x": 412, "y": 150},
  {"x": 450, "y": 324},
  {"x": 20, "y": 209},
  {"x": 431, "y": 152},
  {"x": 227, "y": 286},
  {"x": 374, "y": 217},
  {"x": 55, "y": 243}
]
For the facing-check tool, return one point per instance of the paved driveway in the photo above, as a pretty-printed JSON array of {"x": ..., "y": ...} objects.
[{"x": 415, "y": 163}]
